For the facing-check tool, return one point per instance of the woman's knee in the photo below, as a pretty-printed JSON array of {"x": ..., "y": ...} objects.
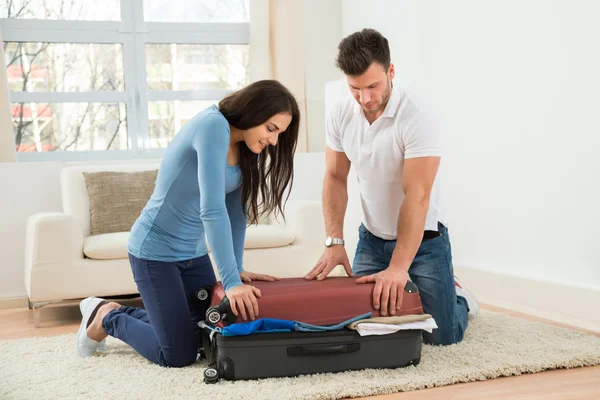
[{"x": 178, "y": 360}]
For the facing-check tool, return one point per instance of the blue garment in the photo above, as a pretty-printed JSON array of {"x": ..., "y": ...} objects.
[
  {"x": 166, "y": 332},
  {"x": 433, "y": 274},
  {"x": 304, "y": 327},
  {"x": 260, "y": 325},
  {"x": 282, "y": 325},
  {"x": 196, "y": 193}
]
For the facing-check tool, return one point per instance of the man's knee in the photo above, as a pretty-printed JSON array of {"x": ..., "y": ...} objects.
[
  {"x": 365, "y": 263},
  {"x": 442, "y": 338}
]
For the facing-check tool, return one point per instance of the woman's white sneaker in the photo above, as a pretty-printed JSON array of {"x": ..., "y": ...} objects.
[{"x": 86, "y": 346}]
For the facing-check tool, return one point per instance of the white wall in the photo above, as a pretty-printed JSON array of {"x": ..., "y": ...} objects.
[
  {"x": 518, "y": 86},
  {"x": 322, "y": 34}
]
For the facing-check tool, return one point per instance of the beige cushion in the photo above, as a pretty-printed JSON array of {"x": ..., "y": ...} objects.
[
  {"x": 75, "y": 199},
  {"x": 117, "y": 198},
  {"x": 110, "y": 246},
  {"x": 266, "y": 237},
  {"x": 113, "y": 246}
]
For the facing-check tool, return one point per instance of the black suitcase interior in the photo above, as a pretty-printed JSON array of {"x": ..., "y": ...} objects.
[{"x": 279, "y": 354}]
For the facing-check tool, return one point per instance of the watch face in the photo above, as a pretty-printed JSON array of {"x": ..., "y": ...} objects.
[{"x": 328, "y": 241}]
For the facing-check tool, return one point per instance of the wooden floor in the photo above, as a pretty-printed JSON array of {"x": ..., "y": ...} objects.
[{"x": 578, "y": 383}]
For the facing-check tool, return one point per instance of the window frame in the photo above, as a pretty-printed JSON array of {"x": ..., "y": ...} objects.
[{"x": 132, "y": 33}]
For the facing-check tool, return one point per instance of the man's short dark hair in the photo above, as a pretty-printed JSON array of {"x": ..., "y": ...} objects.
[{"x": 359, "y": 50}]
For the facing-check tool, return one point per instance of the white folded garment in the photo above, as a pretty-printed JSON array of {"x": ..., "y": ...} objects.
[{"x": 369, "y": 328}]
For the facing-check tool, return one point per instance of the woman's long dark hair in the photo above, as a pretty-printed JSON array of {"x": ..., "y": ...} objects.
[{"x": 270, "y": 172}]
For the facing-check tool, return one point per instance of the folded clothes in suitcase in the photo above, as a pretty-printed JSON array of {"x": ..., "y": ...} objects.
[
  {"x": 278, "y": 354},
  {"x": 327, "y": 302}
]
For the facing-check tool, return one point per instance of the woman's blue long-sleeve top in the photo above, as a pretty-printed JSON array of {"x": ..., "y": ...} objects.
[{"x": 197, "y": 195}]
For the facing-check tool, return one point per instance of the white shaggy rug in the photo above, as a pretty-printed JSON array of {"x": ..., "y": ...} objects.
[{"x": 495, "y": 345}]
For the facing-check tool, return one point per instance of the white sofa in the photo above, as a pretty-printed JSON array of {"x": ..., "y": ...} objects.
[{"x": 63, "y": 262}]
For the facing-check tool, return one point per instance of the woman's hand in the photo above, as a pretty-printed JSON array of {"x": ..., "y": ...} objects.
[
  {"x": 248, "y": 277},
  {"x": 242, "y": 300}
]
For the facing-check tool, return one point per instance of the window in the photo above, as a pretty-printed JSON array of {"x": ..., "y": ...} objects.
[{"x": 117, "y": 78}]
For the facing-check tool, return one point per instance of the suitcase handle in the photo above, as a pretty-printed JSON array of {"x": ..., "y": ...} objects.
[
  {"x": 320, "y": 350},
  {"x": 411, "y": 287}
]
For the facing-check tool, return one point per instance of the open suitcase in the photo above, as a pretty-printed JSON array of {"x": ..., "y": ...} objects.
[
  {"x": 278, "y": 354},
  {"x": 327, "y": 302}
]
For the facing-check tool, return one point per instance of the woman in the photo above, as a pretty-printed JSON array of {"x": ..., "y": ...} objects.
[{"x": 208, "y": 185}]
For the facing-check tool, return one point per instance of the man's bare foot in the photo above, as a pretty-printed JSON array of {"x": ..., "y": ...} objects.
[{"x": 95, "y": 331}]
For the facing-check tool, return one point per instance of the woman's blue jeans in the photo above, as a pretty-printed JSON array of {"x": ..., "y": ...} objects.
[{"x": 166, "y": 332}]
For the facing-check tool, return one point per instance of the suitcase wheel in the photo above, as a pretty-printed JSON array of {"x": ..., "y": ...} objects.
[
  {"x": 211, "y": 375},
  {"x": 415, "y": 362},
  {"x": 214, "y": 316},
  {"x": 202, "y": 294}
]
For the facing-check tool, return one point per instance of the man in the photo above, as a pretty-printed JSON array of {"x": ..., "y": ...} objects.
[{"x": 395, "y": 146}]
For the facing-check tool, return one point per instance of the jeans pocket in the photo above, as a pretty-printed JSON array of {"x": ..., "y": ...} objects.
[
  {"x": 362, "y": 231},
  {"x": 433, "y": 236}
]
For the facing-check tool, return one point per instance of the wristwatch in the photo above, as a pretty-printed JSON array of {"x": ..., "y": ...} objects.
[{"x": 330, "y": 241}]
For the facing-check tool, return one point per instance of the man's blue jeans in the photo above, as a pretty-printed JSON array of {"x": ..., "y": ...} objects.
[
  {"x": 166, "y": 332},
  {"x": 433, "y": 274}
]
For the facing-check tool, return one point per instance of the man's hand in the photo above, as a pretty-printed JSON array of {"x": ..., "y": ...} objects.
[
  {"x": 248, "y": 277},
  {"x": 242, "y": 300},
  {"x": 331, "y": 258},
  {"x": 388, "y": 290}
]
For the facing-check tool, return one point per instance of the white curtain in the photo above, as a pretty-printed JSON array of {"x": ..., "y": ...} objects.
[
  {"x": 7, "y": 136},
  {"x": 277, "y": 50}
]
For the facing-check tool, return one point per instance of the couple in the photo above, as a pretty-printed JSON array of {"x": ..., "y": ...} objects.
[{"x": 209, "y": 183}]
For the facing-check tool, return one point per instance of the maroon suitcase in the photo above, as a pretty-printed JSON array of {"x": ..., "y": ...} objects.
[{"x": 328, "y": 302}]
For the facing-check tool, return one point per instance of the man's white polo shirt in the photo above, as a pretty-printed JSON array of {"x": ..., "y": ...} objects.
[{"x": 377, "y": 153}]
